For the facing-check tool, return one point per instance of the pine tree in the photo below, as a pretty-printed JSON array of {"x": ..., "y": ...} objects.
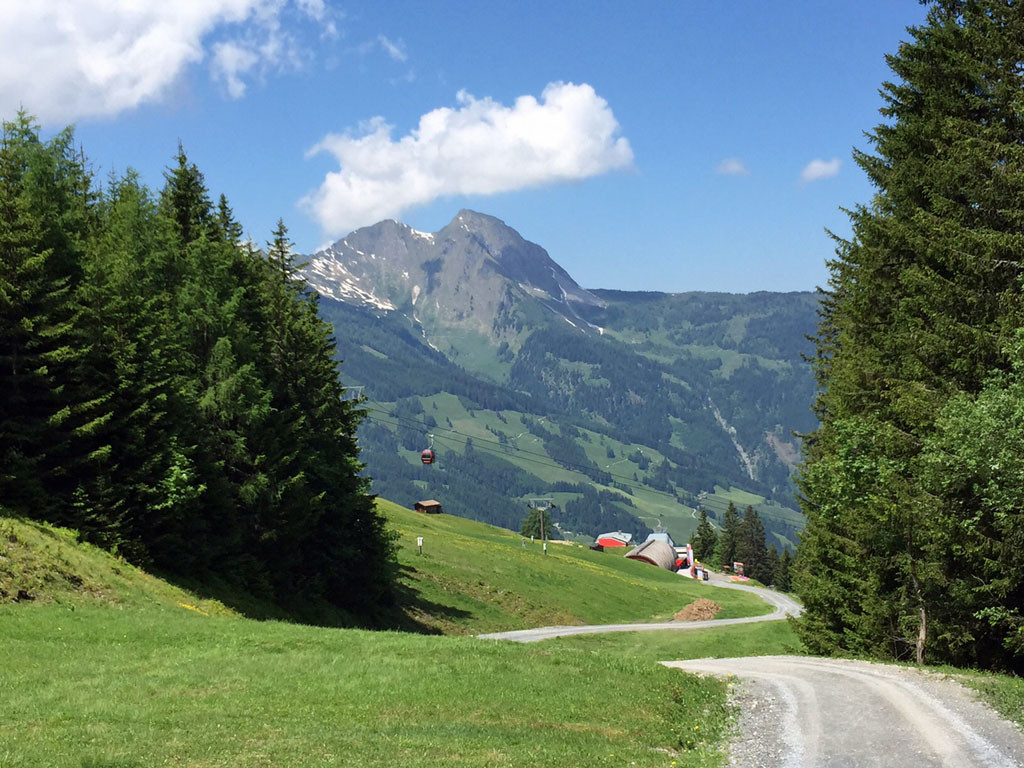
[
  {"x": 45, "y": 201},
  {"x": 537, "y": 524},
  {"x": 771, "y": 568},
  {"x": 921, "y": 304},
  {"x": 728, "y": 539},
  {"x": 783, "y": 573},
  {"x": 705, "y": 539},
  {"x": 750, "y": 546},
  {"x": 322, "y": 504}
]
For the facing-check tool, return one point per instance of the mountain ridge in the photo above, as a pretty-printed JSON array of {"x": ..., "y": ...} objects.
[{"x": 689, "y": 394}]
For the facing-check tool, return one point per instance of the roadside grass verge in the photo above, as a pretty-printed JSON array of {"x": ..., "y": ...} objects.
[
  {"x": 768, "y": 638},
  {"x": 101, "y": 686},
  {"x": 1004, "y": 693},
  {"x": 474, "y": 578}
]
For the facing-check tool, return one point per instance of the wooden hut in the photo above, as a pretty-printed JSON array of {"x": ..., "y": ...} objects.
[
  {"x": 655, "y": 552},
  {"x": 429, "y": 506}
]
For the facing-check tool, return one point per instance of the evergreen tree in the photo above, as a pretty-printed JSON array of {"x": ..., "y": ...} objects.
[
  {"x": 323, "y": 505},
  {"x": 537, "y": 524},
  {"x": 750, "y": 546},
  {"x": 45, "y": 201},
  {"x": 920, "y": 310},
  {"x": 705, "y": 539},
  {"x": 783, "y": 573},
  {"x": 770, "y": 569},
  {"x": 729, "y": 537}
]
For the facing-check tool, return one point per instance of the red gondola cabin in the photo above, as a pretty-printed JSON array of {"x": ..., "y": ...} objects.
[{"x": 427, "y": 457}]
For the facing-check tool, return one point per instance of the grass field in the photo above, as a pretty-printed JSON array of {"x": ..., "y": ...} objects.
[
  {"x": 474, "y": 578},
  {"x": 99, "y": 687},
  {"x": 108, "y": 667},
  {"x": 105, "y": 666},
  {"x": 765, "y": 639}
]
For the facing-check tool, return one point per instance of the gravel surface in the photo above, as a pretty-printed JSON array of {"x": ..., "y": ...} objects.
[
  {"x": 784, "y": 606},
  {"x": 803, "y": 712}
]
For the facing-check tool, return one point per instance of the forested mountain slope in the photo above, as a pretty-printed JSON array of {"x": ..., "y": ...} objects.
[{"x": 627, "y": 409}]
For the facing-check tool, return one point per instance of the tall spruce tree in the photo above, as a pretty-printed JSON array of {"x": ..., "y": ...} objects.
[
  {"x": 728, "y": 539},
  {"x": 45, "y": 421},
  {"x": 921, "y": 307},
  {"x": 750, "y": 546},
  {"x": 704, "y": 539}
]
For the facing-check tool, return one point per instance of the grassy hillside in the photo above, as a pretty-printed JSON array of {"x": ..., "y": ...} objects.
[
  {"x": 677, "y": 394},
  {"x": 102, "y": 688},
  {"x": 474, "y": 578},
  {"x": 41, "y": 564},
  {"x": 103, "y": 665}
]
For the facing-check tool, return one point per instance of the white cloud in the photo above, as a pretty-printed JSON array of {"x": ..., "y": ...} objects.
[
  {"x": 817, "y": 169},
  {"x": 482, "y": 147},
  {"x": 81, "y": 58},
  {"x": 230, "y": 61},
  {"x": 732, "y": 166},
  {"x": 396, "y": 50}
]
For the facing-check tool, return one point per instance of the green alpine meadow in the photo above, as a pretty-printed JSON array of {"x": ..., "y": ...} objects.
[
  {"x": 420, "y": 498},
  {"x": 102, "y": 664}
]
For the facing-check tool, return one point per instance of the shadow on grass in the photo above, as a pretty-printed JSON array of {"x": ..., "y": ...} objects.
[{"x": 409, "y": 603}]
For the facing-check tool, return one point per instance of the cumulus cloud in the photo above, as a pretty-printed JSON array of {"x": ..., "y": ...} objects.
[
  {"x": 481, "y": 147},
  {"x": 66, "y": 60},
  {"x": 817, "y": 169},
  {"x": 732, "y": 166}
]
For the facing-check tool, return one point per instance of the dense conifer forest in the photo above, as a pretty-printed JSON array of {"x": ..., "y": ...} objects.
[
  {"x": 169, "y": 389},
  {"x": 912, "y": 487}
]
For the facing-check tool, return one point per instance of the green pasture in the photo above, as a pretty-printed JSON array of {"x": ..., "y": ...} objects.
[
  {"x": 768, "y": 638},
  {"x": 99, "y": 687},
  {"x": 474, "y": 578}
]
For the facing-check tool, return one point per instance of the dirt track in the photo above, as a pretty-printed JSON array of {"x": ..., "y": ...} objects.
[
  {"x": 802, "y": 712},
  {"x": 784, "y": 605}
]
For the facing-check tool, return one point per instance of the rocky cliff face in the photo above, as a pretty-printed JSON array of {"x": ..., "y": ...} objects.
[{"x": 475, "y": 275}]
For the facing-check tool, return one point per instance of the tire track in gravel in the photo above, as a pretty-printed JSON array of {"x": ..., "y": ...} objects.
[{"x": 803, "y": 712}]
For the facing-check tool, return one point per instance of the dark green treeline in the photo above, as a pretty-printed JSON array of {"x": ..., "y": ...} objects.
[
  {"x": 914, "y": 483},
  {"x": 169, "y": 390}
]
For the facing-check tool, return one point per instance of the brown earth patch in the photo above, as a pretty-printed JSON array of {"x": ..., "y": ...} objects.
[{"x": 701, "y": 609}]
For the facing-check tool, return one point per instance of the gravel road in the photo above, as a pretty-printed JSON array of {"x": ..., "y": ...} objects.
[
  {"x": 802, "y": 712},
  {"x": 783, "y": 605}
]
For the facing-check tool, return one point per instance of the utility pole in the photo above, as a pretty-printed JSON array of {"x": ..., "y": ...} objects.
[{"x": 542, "y": 504}]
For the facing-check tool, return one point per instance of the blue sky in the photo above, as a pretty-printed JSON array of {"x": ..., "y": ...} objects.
[{"x": 647, "y": 146}]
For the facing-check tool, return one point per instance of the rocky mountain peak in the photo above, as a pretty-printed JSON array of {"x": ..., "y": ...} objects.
[{"x": 476, "y": 272}]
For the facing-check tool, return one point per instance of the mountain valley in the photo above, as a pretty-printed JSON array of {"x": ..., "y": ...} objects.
[{"x": 627, "y": 410}]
